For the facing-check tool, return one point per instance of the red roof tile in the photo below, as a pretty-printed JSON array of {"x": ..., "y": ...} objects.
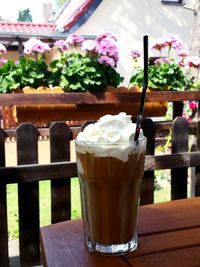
[{"x": 28, "y": 27}]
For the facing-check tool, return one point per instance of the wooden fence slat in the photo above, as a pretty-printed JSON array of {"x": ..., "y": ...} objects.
[
  {"x": 177, "y": 109},
  {"x": 60, "y": 188},
  {"x": 28, "y": 197},
  {"x": 3, "y": 209},
  {"x": 2, "y": 148},
  {"x": 180, "y": 130},
  {"x": 147, "y": 190},
  {"x": 197, "y": 169}
]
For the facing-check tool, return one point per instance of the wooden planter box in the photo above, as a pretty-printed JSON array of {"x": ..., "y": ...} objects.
[
  {"x": 82, "y": 112},
  {"x": 78, "y": 106}
]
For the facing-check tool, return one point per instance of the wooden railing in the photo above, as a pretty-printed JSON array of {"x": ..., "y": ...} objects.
[
  {"x": 97, "y": 98},
  {"x": 28, "y": 173},
  {"x": 92, "y": 102}
]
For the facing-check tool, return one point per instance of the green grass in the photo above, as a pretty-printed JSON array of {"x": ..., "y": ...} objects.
[
  {"x": 162, "y": 194},
  {"x": 12, "y": 201},
  {"x": 45, "y": 213},
  {"x": 75, "y": 198}
]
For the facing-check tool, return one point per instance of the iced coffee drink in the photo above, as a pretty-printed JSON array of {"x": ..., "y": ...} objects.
[{"x": 110, "y": 166}]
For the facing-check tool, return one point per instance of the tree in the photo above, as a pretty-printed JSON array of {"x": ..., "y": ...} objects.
[
  {"x": 195, "y": 46},
  {"x": 25, "y": 15},
  {"x": 60, "y": 2}
]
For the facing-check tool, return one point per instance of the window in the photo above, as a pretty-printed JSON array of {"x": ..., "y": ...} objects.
[{"x": 173, "y": 2}]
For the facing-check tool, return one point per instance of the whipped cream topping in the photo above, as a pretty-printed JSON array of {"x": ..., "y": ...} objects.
[{"x": 109, "y": 136}]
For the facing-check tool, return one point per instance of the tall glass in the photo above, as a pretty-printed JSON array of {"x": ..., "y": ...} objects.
[{"x": 110, "y": 189}]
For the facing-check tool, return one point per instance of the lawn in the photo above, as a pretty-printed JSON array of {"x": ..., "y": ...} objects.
[
  {"x": 44, "y": 190},
  {"x": 45, "y": 212}
]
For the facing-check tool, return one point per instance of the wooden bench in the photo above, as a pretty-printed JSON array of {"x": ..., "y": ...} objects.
[{"x": 28, "y": 173}]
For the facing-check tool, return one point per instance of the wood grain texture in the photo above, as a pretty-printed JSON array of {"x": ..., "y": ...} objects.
[
  {"x": 167, "y": 216},
  {"x": 60, "y": 188},
  {"x": 98, "y": 98},
  {"x": 147, "y": 187},
  {"x": 177, "y": 109},
  {"x": 180, "y": 134},
  {"x": 57, "y": 170},
  {"x": 197, "y": 168},
  {"x": 28, "y": 197},
  {"x": 188, "y": 257},
  {"x": 3, "y": 208},
  {"x": 65, "y": 246},
  {"x": 168, "y": 237}
]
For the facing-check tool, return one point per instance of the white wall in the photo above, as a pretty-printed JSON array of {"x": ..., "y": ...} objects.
[{"x": 129, "y": 20}]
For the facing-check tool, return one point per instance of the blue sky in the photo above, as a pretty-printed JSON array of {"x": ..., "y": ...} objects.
[{"x": 10, "y": 8}]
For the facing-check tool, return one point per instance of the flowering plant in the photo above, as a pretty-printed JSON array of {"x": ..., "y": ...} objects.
[
  {"x": 82, "y": 65},
  {"x": 190, "y": 110},
  {"x": 5, "y": 68},
  {"x": 28, "y": 71},
  {"x": 34, "y": 68},
  {"x": 2, "y": 51},
  {"x": 166, "y": 73},
  {"x": 86, "y": 65}
]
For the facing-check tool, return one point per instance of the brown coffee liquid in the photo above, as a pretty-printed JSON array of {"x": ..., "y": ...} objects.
[{"x": 110, "y": 191}]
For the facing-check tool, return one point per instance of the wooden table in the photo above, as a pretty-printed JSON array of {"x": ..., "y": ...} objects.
[{"x": 169, "y": 236}]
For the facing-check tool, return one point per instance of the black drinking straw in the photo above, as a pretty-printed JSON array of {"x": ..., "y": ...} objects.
[{"x": 144, "y": 88}]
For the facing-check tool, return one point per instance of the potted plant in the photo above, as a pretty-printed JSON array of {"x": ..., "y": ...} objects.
[
  {"x": 167, "y": 72},
  {"x": 86, "y": 65},
  {"x": 82, "y": 66},
  {"x": 31, "y": 70}
]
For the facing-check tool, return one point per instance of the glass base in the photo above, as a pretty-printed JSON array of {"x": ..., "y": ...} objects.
[{"x": 114, "y": 249}]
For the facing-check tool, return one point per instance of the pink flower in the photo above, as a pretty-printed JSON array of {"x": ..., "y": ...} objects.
[
  {"x": 61, "y": 45},
  {"x": 183, "y": 53},
  {"x": 74, "y": 39},
  {"x": 193, "y": 62},
  {"x": 172, "y": 40},
  {"x": 167, "y": 40},
  {"x": 107, "y": 61},
  {"x": 184, "y": 115},
  {"x": 108, "y": 47},
  {"x": 2, "y": 61},
  {"x": 162, "y": 59},
  {"x": 158, "y": 44},
  {"x": 2, "y": 48},
  {"x": 135, "y": 54},
  {"x": 38, "y": 48},
  {"x": 89, "y": 45},
  {"x": 105, "y": 35},
  {"x": 34, "y": 45},
  {"x": 181, "y": 63},
  {"x": 187, "y": 117},
  {"x": 193, "y": 105}
]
